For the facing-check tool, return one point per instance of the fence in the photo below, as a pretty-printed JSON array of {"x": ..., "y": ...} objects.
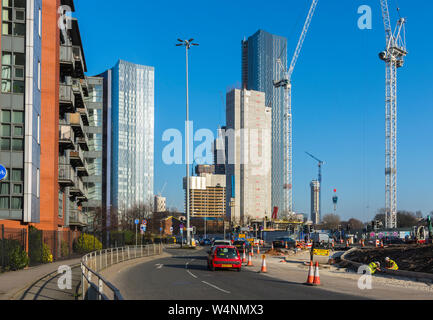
[
  {"x": 94, "y": 286},
  {"x": 40, "y": 246}
]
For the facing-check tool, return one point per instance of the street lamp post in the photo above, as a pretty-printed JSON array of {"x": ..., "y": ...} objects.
[{"x": 187, "y": 44}]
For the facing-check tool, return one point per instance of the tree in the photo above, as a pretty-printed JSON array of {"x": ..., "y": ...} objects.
[
  {"x": 331, "y": 221},
  {"x": 355, "y": 224},
  {"x": 405, "y": 219}
]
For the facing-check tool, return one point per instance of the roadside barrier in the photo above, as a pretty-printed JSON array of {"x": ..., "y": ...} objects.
[
  {"x": 93, "y": 285},
  {"x": 264, "y": 269}
]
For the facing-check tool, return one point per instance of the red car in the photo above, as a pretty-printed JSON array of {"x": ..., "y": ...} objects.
[{"x": 224, "y": 257}]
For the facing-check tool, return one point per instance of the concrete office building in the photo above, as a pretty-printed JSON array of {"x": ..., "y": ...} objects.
[
  {"x": 130, "y": 97},
  {"x": 248, "y": 163},
  {"x": 219, "y": 152},
  {"x": 207, "y": 195},
  {"x": 259, "y": 69},
  {"x": 315, "y": 191}
]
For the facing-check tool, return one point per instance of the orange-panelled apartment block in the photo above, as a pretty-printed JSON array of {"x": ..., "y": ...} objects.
[{"x": 43, "y": 116}]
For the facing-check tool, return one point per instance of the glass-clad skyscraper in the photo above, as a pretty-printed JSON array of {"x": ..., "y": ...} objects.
[
  {"x": 132, "y": 134},
  {"x": 259, "y": 69}
]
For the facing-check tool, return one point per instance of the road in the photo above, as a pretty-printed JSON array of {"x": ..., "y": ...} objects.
[{"x": 184, "y": 276}]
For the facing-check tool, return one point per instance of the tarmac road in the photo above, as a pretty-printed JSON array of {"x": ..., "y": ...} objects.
[{"x": 184, "y": 276}]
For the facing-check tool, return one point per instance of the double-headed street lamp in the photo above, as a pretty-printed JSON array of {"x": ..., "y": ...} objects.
[{"x": 187, "y": 44}]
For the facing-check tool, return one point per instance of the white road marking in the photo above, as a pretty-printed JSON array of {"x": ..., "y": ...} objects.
[
  {"x": 186, "y": 267},
  {"x": 158, "y": 265},
  {"x": 214, "y": 286},
  {"x": 192, "y": 274}
]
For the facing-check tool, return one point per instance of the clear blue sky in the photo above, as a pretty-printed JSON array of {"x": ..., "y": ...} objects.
[{"x": 338, "y": 87}]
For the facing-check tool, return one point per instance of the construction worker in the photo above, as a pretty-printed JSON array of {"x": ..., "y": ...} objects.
[
  {"x": 374, "y": 266},
  {"x": 390, "y": 264}
]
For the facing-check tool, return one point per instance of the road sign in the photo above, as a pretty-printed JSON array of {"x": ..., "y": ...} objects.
[
  {"x": 143, "y": 226},
  {"x": 181, "y": 226},
  {"x": 171, "y": 229},
  {"x": 181, "y": 231},
  {"x": 144, "y": 222},
  {"x": 160, "y": 229},
  {"x": 321, "y": 252},
  {"x": 137, "y": 221},
  {"x": 3, "y": 172}
]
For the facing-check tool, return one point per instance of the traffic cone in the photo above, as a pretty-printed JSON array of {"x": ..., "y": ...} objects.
[
  {"x": 250, "y": 262},
  {"x": 310, "y": 277},
  {"x": 316, "y": 280},
  {"x": 244, "y": 258},
  {"x": 362, "y": 243},
  {"x": 264, "y": 269},
  {"x": 272, "y": 247},
  {"x": 258, "y": 249},
  {"x": 252, "y": 251},
  {"x": 381, "y": 243},
  {"x": 286, "y": 245}
]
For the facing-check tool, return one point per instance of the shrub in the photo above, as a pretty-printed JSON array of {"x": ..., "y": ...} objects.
[
  {"x": 87, "y": 243},
  {"x": 46, "y": 254},
  {"x": 18, "y": 259}
]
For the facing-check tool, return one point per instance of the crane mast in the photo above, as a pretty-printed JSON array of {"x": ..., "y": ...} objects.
[
  {"x": 393, "y": 56},
  {"x": 285, "y": 83}
]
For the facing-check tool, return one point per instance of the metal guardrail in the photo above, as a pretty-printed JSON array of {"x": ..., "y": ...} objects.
[{"x": 93, "y": 285}]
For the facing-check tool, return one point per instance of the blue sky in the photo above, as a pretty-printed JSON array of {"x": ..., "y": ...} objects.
[{"x": 338, "y": 87}]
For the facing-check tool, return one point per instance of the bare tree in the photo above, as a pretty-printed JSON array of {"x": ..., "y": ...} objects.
[{"x": 331, "y": 221}]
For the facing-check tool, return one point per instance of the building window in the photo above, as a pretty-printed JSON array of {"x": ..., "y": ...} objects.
[
  {"x": 39, "y": 129},
  {"x": 13, "y": 81},
  {"x": 39, "y": 75},
  {"x": 40, "y": 23},
  {"x": 37, "y": 183}
]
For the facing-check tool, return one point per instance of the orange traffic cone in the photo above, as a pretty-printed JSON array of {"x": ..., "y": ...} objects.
[
  {"x": 263, "y": 264},
  {"x": 252, "y": 250},
  {"x": 272, "y": 247},
  {"x": 250, "y": 262},
  {"x": 258, "y": 249},
  {"x": 381, "y": 243},
  {"x": 316, "y": 280},
  {"x": 286, "y": 245},
  {"x": 310, "y": 277},
  {"x": 362, "y": 243},
  {"x": 244, "y": 258}
]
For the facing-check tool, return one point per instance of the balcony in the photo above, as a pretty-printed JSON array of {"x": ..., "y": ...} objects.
[
  {"x": 76, "y": 123},
  {"x": 66, "y": 175},
  {"x": 67, "y": 61},
  {"x": 66, "y": 137},
  {"x": 76, "y": 157},
  {"x": 76, "y": 217},
  {"x": 77, "y": 89},
  {"x": 78, "y": 190},
  {"x": 83, "y": 142},
  {"x": 83, "y": 170},
  {"x": 67, "y": 99},
  {"x": 84, "y": 115},
  {"x": 79, "y": 62}
]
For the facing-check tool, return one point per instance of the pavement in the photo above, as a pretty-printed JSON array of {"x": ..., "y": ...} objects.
[
  {"x": 13, "y": 284},
  {"x": 183, "y": 275}
]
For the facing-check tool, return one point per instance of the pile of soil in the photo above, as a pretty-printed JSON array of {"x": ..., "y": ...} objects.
[
  {"x": 418, "y": 258},
  {"x": 275, "y": 252}
]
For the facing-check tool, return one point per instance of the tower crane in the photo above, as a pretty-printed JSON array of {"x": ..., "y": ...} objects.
[
  {"x": 286, "y": 84},
  {"x": 393, "y": 56},
  {"x": 319, "y": 178}
]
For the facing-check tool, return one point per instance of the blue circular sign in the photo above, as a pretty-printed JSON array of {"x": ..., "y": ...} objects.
[{"x": 3, "y": 172}]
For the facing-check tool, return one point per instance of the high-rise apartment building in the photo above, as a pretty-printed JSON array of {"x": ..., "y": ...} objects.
[
  {"x": 315, "y": 192},
  {"x": 20, "y": 110},
  {"x": 160, "y": 204},
  {"x": 248, "y": 158},
  {"x": 130, "y": 97},
  {"x": 259, "y": 69},
  {"x": 43, "y": 116}
]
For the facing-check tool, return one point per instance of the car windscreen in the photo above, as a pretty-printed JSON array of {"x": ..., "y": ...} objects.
[{"x": 226, "y": 253}]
